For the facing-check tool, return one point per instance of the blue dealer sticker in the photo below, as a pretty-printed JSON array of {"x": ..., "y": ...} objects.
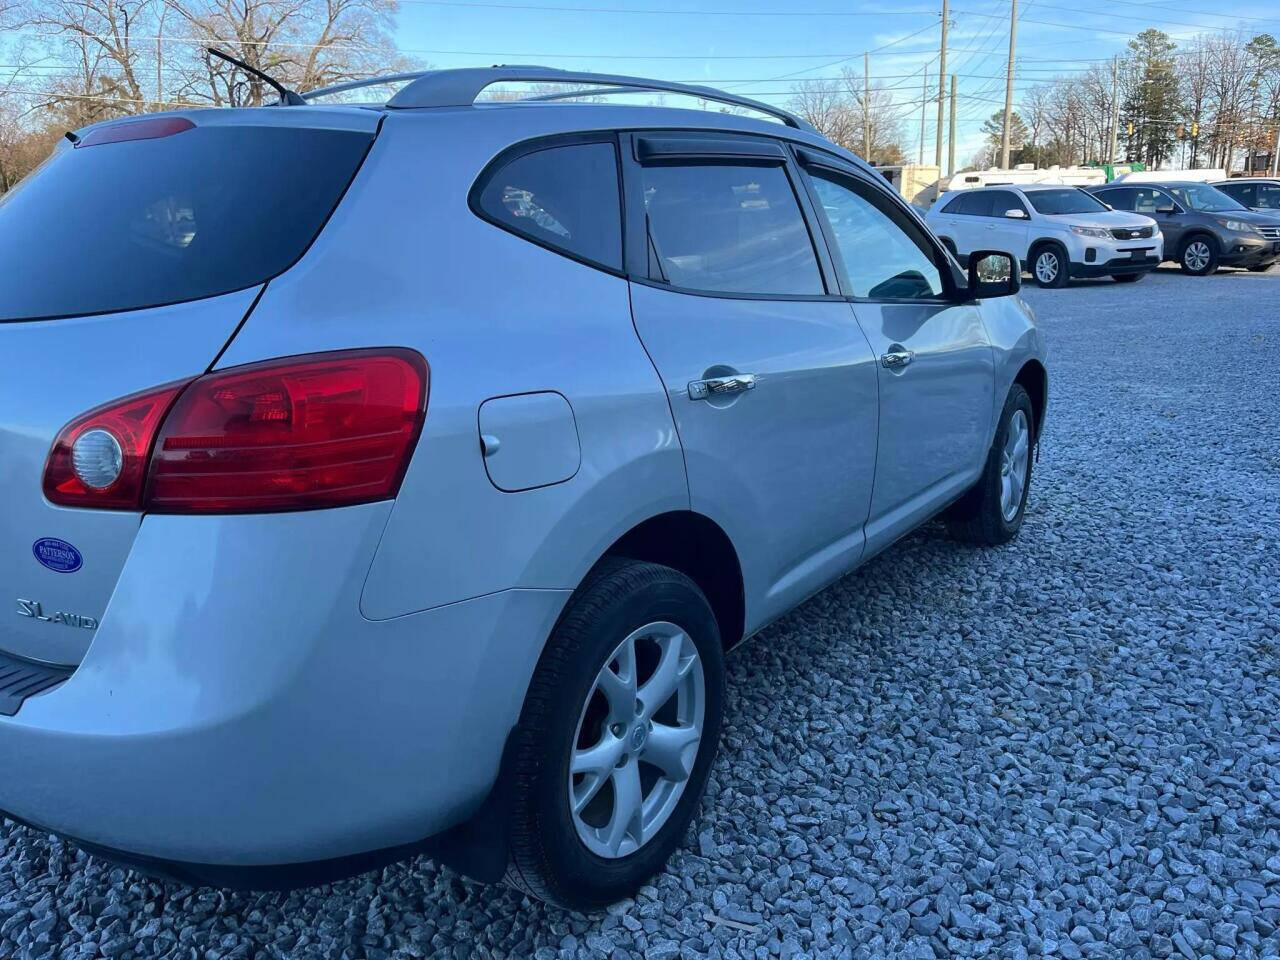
[{"x": 57, "y": 555}]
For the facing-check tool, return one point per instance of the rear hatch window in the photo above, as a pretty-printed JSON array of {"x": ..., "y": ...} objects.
[{"x": 147, "y": 220}]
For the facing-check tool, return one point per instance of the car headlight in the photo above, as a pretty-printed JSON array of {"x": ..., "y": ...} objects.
[
  {"x": 1239, "y": 226},
  {"x": 1099, "y": 232}
]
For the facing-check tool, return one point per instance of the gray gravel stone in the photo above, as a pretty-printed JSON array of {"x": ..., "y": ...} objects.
[{"x": 1066, "y": 747}]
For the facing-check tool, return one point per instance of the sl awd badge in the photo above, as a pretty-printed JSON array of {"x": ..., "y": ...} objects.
[{"x": 32, "y": 609}]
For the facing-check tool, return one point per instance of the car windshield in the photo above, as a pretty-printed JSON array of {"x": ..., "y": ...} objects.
[
  {"x": 1067, "y": 200},
  {"x": 1201, "y": 196}
]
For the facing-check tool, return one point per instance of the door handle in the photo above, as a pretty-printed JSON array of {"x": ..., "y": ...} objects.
[
  {"x": 721, "y": 386},
  {"x": 897, "y": 359}
]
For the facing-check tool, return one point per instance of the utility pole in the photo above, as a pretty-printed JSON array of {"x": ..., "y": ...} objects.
[
  {"x": 924, "y": 102},
  {"x": 1008, "y": 85},
  {"x": 866, "y": 107},
  {"x": 1275, "y": 153},
  {"x": 951, "y": 138},
  {"x": 1115, "y": 110},
  {"x": 942, "y": 77}
]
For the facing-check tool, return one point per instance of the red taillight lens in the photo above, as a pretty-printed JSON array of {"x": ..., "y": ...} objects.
[
  {"x": 132, "y": 423},
  {"x": 316, "y": 431}
]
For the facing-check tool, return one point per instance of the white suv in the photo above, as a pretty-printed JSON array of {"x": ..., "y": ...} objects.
[{"x": 1058, "y": 232}]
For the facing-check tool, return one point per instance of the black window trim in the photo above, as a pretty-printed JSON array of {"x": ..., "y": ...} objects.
[
  {"x": 636, "y": 253},
  {"x": 538, "y": 145},
  {"x": 954, "y": 286}
]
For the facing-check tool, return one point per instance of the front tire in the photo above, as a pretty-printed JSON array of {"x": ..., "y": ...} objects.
[
  {"x": 992, "y": 511},
  {"x": 1199, "y": 256},
  {"x": 1260, "y": 268},
  {"x": 1050, "y": 266},
  {"x": 618, "y": 733}
]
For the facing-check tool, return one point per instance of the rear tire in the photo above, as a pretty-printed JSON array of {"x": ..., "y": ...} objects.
[
  {"x": 1050, "y": 265},
  {"x": 1126, "y": 277},
  {"x": 992, "y": 511},
  {"x": 1199, "y": 255},
  {"x": 579, "y": 839},
  {"x": 1260, "y": 268}
]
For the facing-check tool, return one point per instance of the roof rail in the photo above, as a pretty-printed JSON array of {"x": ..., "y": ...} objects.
[
  {"x": 366, "y": 82},
  {"x": 461, "y": 87}
]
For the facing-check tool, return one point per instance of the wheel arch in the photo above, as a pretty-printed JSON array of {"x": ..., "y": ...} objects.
[
  {"x": 1033, "y": 378},
  {"x": 700, "y": 549}
]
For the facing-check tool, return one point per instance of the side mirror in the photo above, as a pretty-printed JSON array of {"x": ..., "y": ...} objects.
[
  {"x": 1168, "y": 210},
  {"x": 993, "y": 274},
  {"x": 1016, "y": 214}
]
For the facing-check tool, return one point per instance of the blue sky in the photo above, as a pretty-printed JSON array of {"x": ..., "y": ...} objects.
[{"x": 761, "y": 47}]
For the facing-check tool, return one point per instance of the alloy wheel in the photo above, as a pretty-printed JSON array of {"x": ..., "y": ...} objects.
[
  {"x": 1047, "y": 267},
  {"x": 1197, "y": 255},
  {"x": 1014, "y": 460},
  {"x": 637, "y": 740}
]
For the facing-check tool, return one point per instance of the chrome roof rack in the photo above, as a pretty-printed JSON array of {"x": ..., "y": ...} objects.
[{"x": 461, "y": 87}]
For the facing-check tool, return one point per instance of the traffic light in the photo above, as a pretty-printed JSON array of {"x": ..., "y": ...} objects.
[
  {"x": 1180, "y": 131},
  {"x": 1128, "y": 128},
  {"x": 1195, "y": 128}
]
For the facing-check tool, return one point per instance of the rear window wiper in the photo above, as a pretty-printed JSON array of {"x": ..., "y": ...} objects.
[{"x": 287, "y": 97}]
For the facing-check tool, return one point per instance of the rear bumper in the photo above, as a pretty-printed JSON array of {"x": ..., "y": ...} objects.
[
  {"x": 1114, "y": 267},
  {"x": 236, "y": 710}
]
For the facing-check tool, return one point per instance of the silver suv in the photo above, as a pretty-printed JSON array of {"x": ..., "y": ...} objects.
[{"x": 391, "y": 478}]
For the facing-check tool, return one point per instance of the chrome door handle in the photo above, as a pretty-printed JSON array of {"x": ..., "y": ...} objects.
[
  {"x": 898, "y": 359},
  {"x": 721, "y": 386}
]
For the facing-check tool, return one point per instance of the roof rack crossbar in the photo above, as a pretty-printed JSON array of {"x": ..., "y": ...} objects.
[{"x": 461, "y": 87}]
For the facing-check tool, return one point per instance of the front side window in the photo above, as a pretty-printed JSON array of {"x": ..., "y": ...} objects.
[
  {"x": 734, "y": 229},
  {"x": 1205, "y": 198},
  {"x": 1002, "y": 201},
  {"x": 565, "y": 197},
  {"x": 1068, "y": 200},
  {"x": 1148, "y": 201},
  {"x": 885, "y": 256}
]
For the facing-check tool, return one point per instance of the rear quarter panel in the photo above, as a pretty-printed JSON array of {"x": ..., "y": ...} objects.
[{"x": 405, "y": 262}]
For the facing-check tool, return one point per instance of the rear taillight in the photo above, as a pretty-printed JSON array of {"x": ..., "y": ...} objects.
[{"x": 322, "y": 430}]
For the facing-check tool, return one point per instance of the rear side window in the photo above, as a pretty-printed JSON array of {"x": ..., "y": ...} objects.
[
  {"x": 144, "y": 222},
  {"x": 1243, "y": 192},
  {"x": 1119, "y": 199},
  {"x": 564, "y": 197},
  {"x": 733, "y": 229}
]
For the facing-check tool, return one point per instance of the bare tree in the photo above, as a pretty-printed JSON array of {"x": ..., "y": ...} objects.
[
  {"x": 303, "y": 43},
  {"x": 838, "y": 109}
]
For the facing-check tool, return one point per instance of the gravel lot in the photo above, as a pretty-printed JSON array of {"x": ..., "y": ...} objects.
[{"x": 1067, "y": 747}]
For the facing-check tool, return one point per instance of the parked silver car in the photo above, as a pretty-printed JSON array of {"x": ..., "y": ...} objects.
[{"x": 392, "y": 478}]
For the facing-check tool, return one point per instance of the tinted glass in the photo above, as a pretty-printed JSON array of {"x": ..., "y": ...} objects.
[
  {"x": 1054, "y": 203},
  {"x": 1002, "y": 200},
  {"x": 565, "y": 197},
  {"x": 885, "y": 255},
  {"x": 139, "y": 223},
  {"x": 1120, "y": 199},
  {"x": 1268, "y": 197},
  {"x": 729, "y": 229},
  {"x": 1204, "y": 197},
  {"x": 977, "y": 204},
  {"x": 1241, "y": 192}
]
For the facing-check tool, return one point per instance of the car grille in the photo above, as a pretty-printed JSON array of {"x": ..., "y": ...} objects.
[
  {"x": 1133, "y": 233},
  {"x": 1271, "y": 233}
]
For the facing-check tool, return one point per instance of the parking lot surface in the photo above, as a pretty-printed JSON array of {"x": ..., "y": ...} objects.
[{"x": 1067, "y": 747}]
